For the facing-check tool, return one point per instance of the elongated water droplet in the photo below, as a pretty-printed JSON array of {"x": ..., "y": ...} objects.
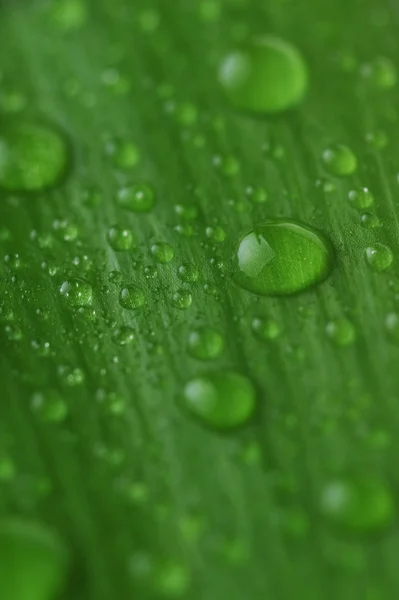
[
  {"x": 77, "y": 292},
  {"x": 358, "y": 504},
  {"x": 33, "y": 561},
  {"x": 33, "y": 156},
  {"x": 281, "y": 257},
  {"x": 266, "y": 329},
  {"x": 139, "y": 198},
  {"x": 380, "y": 72},
  {"x": 265, "y": 75},
  {"x": 339, "y": 160},
  {"x": 205, "y": 343},
  {"x": 224, "y": 399}
]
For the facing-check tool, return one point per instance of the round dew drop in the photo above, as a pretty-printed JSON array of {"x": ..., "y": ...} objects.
[
  {"x": 339, "y": 160},
  {"x": 188, "y": 273},
  {"x": 281, "y": 257},
  {"x": 131, "y": 297},
  {"x": 223, "y": 399},
  {"x": 33, "y": 561},
  {"x": 182, "y": 299},
  {"x": 379, "y": 257},
  {"x": 123, "y": 335},
  {"x": 162, "y": 252},
  {"x": 361, "y": 198},
  {"x": 120, "y": 239},
  {"x": 77, "y": 292},
  {"x": 33, "y": 157},
  {"x": 341, "y": 332},
  {"x": 205, "y": 343},
  {"x": 264, "y": 75}
]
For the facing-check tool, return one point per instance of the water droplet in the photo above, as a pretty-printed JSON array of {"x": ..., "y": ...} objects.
[
  {"x": 30, "y": 549},
  {"x": 172, "y": 579},
  {"x": 188, "y": 273},
  {"x": 131, "y": 297},
  {"x": 358, "y": 504},
  {"x": 68, "y": 14},
  {"x": 381, "y": 72},
  {"x": 257, "y": 195},
  {"x": 205, "y": 343},
  {"x": 227, "y": 165},
  {"x": 120, "y": 238},
  {"x": 123, "y": 335},
  {"x": 162, "y": 252},
  {"x": 188, "y": 212},
  {"x": 339, "y": 160},
  {"x": 77, "y": 292},
  {"x": 341, "y": 332},
  {"x": 33, "y": 157},
  {"x": 224, "y": 399},
  {"x": 361, "y": 198},
  {"x": 150, "y": 272},
  {"x": 149, "y": 20},
  {"x": 377, "y": 139},
  {"x": 186, "y": 114},
  {"x": 281, "y": 257},
  {"x": 266, "y": 329},
  {"x": 139, "y": 198},
  {"x": 216, "y": 234},
  {"x": 379, "y": 257},
  {"x": 392, "y": 326},
  {"x": 209, "y": 10},
  {"x": 49, "y": 406},
  {"x": 265, "y": 75},
  {"x": 126, "y": 155},
  {"x": 182, "y": 299},
  {"x": 370, "y": 220}
]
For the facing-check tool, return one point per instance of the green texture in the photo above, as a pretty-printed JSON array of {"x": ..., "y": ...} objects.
[{"x": 96, "y": 443}]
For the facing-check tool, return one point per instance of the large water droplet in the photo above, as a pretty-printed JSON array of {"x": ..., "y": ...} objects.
[
  {"x": 281, "y": 257},
  {"x": 33, "y": 561},
  {"x": 77, "y": 292},
  {"x": 358, "y": 504},
  {"x": 361, "y": 198},
  {"x": 120, "y": 238},
  {"x": 266, "y": 75},
  {"x": 222, "y": 399},
  {"x": 33, "y": 156},
  {"x": 162, "y": 252}
]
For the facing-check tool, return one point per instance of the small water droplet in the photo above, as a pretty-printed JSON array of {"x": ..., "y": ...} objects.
[
  {"x": 361, "y": 198},
  {"x": 339, "y": 160},
  {"x": 188, "y": 273},
  {"x": 379, "y": 257},
  {"x": 132, "y": 297},
  {"x": 281, "y": 257},
  {"x": 139, "y": 198},
  {"x": 149, "y": 20},
  {"x": 187, "y": 212},
  {"x": 216, "y": 234},
  {"x": 264, "y": 75},
  {"x": 120, "y": 238},
  {"x": 257, "y": 195},
  {"x": 123, "y": 335},
  {"x": 227, "y": 165},
  {"x": 370, "y": 220},
  {"x": 377, "y": 139},
  {"x": 224, "y": 399},
  {"x": 77, "y": 292},
  {"x": 172, "y": 579},
  {"x": 341, "y": 332},
  {"x": 358, "y": 504},
  {"x": 392, "y": 326},
  {"x": 205, "y": 343},
  {"x": 162, "y": 252},
  {"x": 381, "y": 72},
  {"x": 68, "y": 14},
  {"x": 126, "y": 155},
  {"x": 266, "y": 329},
  {"x": 182, "y": 299},
  {"x": 33, "y": 157}
]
